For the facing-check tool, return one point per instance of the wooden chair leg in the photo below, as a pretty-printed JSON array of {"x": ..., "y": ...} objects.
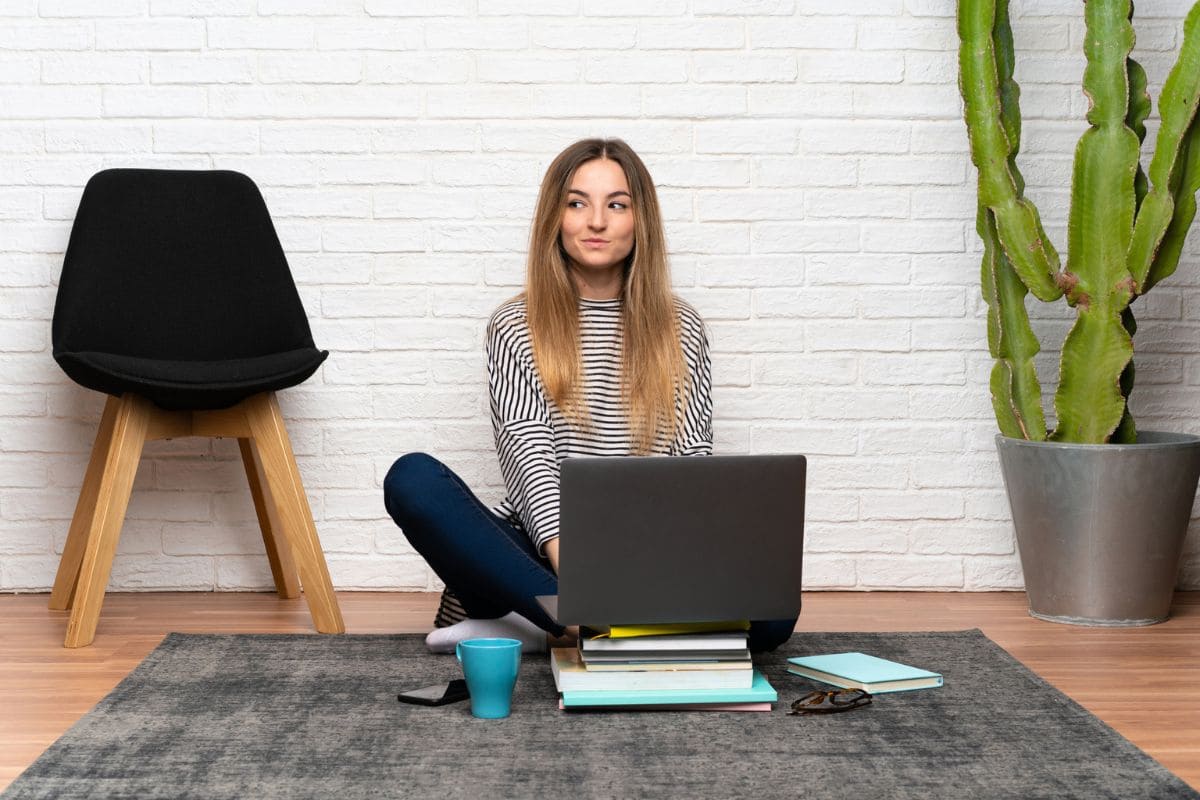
[
  {"x": 63, "y": 592},
  {"x": 283, "y": 566},
  {"x": 291, "y": 504},
  {"x": 112, "y": 498}
]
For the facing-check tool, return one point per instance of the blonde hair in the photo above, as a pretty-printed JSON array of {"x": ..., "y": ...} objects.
[{"x": 653, "y": 372}]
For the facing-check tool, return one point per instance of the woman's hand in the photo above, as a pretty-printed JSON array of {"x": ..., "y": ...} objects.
[{"x": 552, "y": 553}]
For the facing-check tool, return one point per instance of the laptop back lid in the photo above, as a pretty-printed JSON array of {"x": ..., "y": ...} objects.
[{"x": 680, "y": 539}]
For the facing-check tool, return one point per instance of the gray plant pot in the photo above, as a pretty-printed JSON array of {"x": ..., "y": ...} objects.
[{"x": 1100, "y": 528}]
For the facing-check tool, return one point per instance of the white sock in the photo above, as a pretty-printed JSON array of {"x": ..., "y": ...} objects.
[{"x": 510, "y": 626}]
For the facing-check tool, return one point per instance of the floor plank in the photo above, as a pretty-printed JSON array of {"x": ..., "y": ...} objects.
[{"x": 1144, "y": 682}]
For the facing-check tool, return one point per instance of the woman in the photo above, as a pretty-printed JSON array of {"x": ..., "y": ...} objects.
[{"x": 595, "y": 358}]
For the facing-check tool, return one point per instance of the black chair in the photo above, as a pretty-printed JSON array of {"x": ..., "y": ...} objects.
[{"x": 176, "y": 300}]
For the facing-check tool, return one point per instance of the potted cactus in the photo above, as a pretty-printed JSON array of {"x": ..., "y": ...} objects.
[{"x": 1100, "y": 509}]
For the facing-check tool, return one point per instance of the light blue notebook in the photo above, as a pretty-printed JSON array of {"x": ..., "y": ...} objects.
[
  {"x": 861, "y": 671},
  {"x": 759, "y": 692}
]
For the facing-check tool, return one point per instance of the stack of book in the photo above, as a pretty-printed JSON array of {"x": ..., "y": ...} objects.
[{"x": 644, "y": 668}]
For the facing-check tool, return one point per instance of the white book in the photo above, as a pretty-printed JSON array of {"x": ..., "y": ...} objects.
[
  {"x": 675, "y": 641},
  {"x": 571, "y": 675}
]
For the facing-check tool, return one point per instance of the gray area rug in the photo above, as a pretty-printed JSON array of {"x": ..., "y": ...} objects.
[{"x": 279, "y": 716}]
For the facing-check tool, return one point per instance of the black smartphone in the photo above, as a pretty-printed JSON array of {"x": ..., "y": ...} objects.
[{"x": 439, "y": 694}]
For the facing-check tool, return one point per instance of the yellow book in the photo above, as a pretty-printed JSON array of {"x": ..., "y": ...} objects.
[{"x": 672, "y": 628}]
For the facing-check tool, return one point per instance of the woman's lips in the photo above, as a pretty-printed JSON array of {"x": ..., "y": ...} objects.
[{"x": 595, "y": 242}]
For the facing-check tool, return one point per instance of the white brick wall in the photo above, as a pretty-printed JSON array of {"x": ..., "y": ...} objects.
[{"x": 820, "y": 208}]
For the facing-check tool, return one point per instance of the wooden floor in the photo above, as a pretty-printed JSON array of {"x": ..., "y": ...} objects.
[{"x": 1145, "y": 682}]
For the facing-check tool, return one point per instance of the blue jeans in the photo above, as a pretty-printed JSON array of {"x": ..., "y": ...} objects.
[{"x": 489, "y": 563}]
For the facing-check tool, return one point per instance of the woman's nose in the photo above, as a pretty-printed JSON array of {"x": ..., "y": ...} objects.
[{"x": 598, "y": 221}]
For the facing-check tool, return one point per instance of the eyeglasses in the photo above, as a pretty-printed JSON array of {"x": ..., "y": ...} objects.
[{"x": 819, "y": 702}]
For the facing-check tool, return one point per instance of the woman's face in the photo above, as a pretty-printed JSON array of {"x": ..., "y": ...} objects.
[{"x": 597, "y": 223}]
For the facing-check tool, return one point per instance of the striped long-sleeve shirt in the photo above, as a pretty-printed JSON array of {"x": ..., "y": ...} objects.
[{"x": 533, "y": 436}]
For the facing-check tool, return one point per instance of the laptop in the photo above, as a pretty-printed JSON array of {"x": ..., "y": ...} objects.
[{"x": 679, "y": 539}]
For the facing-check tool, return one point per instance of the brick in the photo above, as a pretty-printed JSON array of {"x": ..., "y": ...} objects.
[
  {"x": 792, "y": 237},
  {"x": 757, "y": 336},
  {"x": 97, "y": 137},
  {"x": 415, "y": 8},
  {"x": 923, "y": 573},
  {"x": 431, "y": 268},
  {"x": 803, "y": 34},
  {"x": 205, "y": 137},
  {"x": 838, "y": 472},
  {"x": 742, "y": 68},
  {"x": 698, "y": 172},
  {"x": 181, "y": 34},
  {"x": 428, "y": 335},
  {"x": 807, "y": 439},
  {"x": 202, "y": 8},
  {"x": 477, "y": 35},
  {"x": 838, "y": 404},
  {"x": 715, "y": 238},
  {"x": 144, "y": 101},
  {"x": 746, "y": 137},
  {"x": 564, "y": 8},
  {"x": 297, "y": 102},
  {"x": 206, "y": 68},
  {"x": 314, "y": 138},
  {"x": 363, "y": 34},
  {"x": 316, "y": 7},
  {"x": 983, "y": 573},
  {"x": 309, "y": 68},
  {"x": 649, "y": 68},
  {"x": 697, "y": 34},
  {"x": 373, "y": 572},
  {"x": 28, "y": 572},
  {"x": 694, "y": 101},
  {"x": 827, "y": 572},
  {"x": 959, "y": 539},
  {"x": 84, "y": 8},
  {"x": 476, "y": 238},
  {"x": 748, "y": 205},
  {"x": 731, "y": 370},
  {"x": 94, "y": 68},
  {"x": 373, "y": 237},
  {"x": 804, "y": 370},
  {"x": 646, "y": 137},
  {"x": 856, "y": 538},
  {"x": 911, "y": 438},
  {"x": 571, "y": 35},
  {"x": 807, "y": 303},
  {"x": 800, "y": 171},
  {"x": 418, "y": 68},
  {"x": 423, "y": 136},
  {"x": 860, "y": 136},
  {"x": 49, "y": 102},
  {"x": 583, "y": 101},
  {"x": 44, "y": 35},
  {"x": 822, "y": 203},
  {"x": 163, "y": 573},
  {"x": 914, "y": 369}
]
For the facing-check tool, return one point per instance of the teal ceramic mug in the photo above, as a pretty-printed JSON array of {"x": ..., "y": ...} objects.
[{"x": 490, "y": 667}]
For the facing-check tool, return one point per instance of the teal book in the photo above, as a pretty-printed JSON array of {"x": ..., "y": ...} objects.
[
  {"x": 760, "y": 691},
  {"x": 861, "y": 671}
]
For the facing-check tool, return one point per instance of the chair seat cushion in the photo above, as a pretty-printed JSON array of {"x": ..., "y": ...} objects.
[{"x": 191, "y": 385}]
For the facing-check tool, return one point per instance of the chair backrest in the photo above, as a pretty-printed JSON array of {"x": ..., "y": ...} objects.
[{"x": 176, "y": 264}]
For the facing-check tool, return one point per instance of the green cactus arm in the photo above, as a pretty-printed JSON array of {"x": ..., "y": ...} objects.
[
  {"x": 1139, "y": 109},
  {"x": 1016, "y": 391},
  {"x": 1167, "y": 257},
  {"x": 1097, "y": 349},
  {"x": 1177, "y": 108},
  {"x": 1017, "y": 222}
]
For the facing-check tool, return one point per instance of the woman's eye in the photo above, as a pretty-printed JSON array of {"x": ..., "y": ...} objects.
[
  {"x": 618, "y": 206},
  {"x": 574, "y": 204}
]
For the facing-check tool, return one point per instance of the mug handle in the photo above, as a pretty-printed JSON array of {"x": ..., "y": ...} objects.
[{"x": 458, "y": 652}]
